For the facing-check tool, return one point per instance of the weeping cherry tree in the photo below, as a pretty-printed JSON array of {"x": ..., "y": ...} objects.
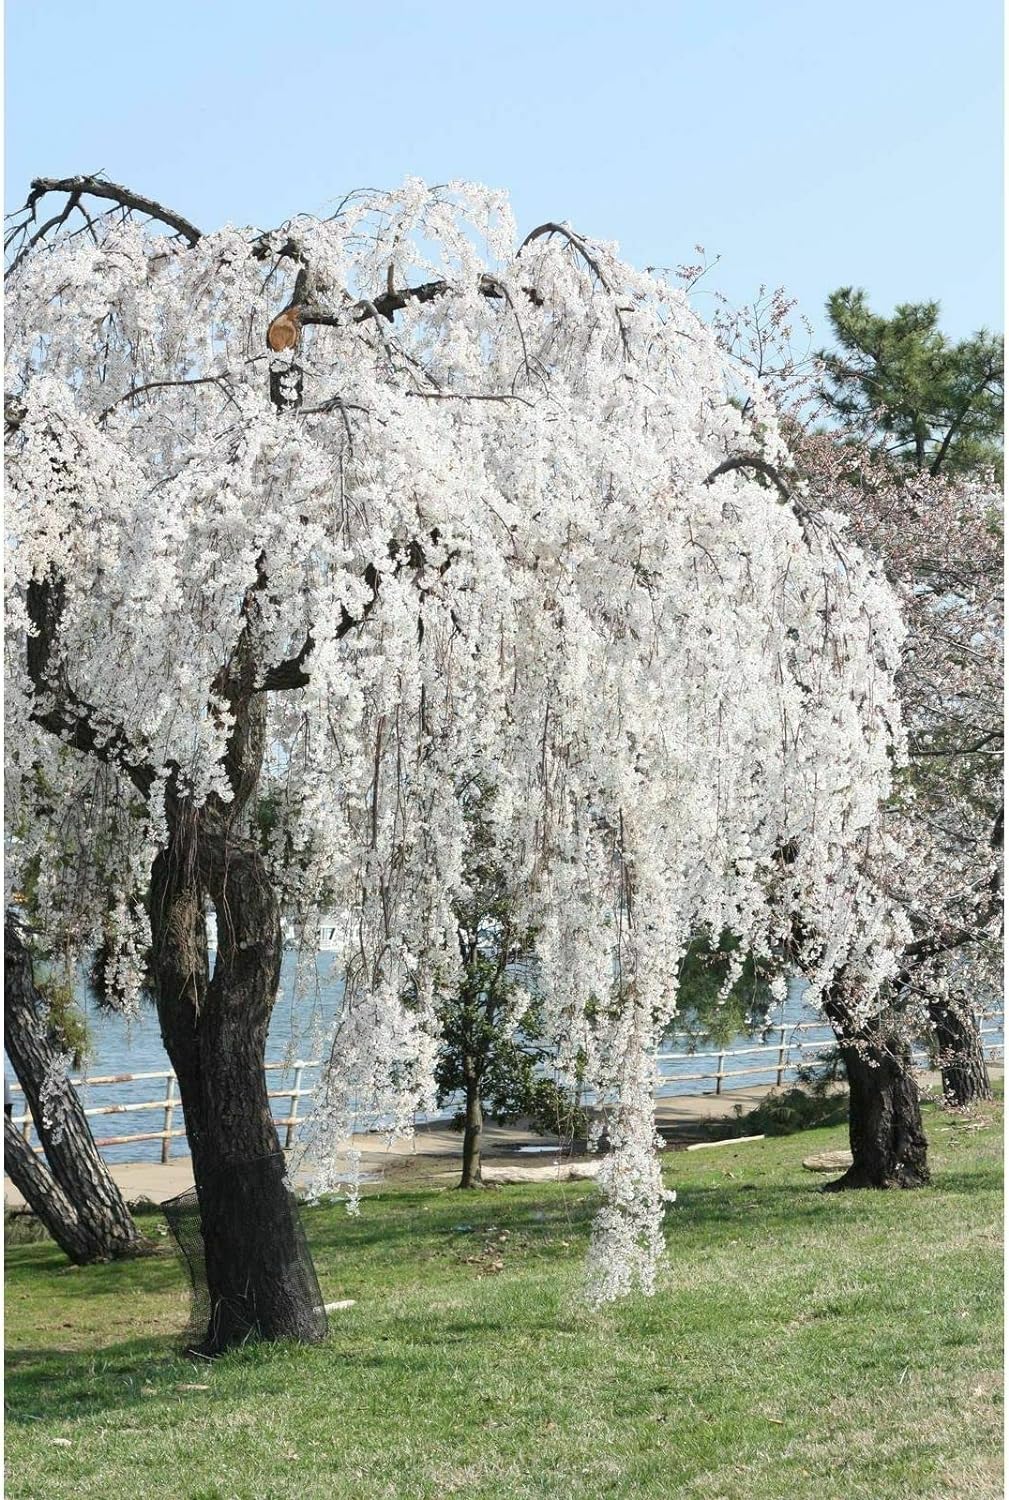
[{"x": 350, "y": 512}]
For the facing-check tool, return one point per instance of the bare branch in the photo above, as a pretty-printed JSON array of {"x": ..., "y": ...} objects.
[
  {"x": 761, "y": 465},
  {"x": 155, "y": 385},
  {"x": 97, "y": 187},
  {"x": 980, "y": 748},
  {"x": 468, "y": 396}
]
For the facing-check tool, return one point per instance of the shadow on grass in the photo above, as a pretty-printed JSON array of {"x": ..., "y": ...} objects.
[
  {"x": 151, "y": 1376},
  {"x": 410, "y": 1239},
  {"x": 52, "y": 1385},
  {"x": 147, "y": 1275}
]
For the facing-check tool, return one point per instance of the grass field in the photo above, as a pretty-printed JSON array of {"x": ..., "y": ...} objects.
[{"x": 839, "y": 1347}]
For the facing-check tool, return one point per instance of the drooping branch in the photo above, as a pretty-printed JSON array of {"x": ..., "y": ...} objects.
[
  {"x": 93, "y": 186},
  {"x": 760, "y": 465},
  {"x": 59, "y": 710},
  {"x": 292, "y": 673},
  {"x": 574, "y": 240},
  {"x": 157, "y": 385}
]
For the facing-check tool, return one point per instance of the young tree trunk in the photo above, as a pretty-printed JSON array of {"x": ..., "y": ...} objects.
[
  {"x": 961, "y": 1055},
  {"x": 888, "y": 1144},
  {"x": 76, "y": 1197},
  {"x": 260, "y": 1277},
  {"x": 471, "y": 1174}
]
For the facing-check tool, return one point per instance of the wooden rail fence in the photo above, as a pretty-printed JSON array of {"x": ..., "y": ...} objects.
[{"x": 783, "y": 1055}]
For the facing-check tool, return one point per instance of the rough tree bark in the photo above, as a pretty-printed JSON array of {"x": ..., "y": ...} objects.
[
  {"x": 259, "y": 1276},
  {"x": 888, "y": 1143},
  {"x": 473, "y": 1128},
  {"x": 960, "y": 1054},
  {"x": 46, "y": 1199},
  {"x": 72, "y": 1192}
]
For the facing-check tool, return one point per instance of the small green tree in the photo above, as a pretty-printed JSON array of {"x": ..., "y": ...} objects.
[
  {"x": 493, "y": 1051},
  {"x": 922, "y": 399}
]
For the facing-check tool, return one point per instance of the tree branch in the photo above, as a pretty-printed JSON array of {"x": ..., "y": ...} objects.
[
  {"x": 573, "y": 239},
  {"x": 761, "y": 465},
  {"x": 955, "y": 425},
  {"x": 70, "y": 718},
  {"x": 951, "y": 750},
  {"x": 156, "y": 385},
  {"x": 96, "y": 186}
]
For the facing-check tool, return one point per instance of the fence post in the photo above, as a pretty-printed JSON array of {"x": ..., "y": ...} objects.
[
  {"x": 292, "y": 1123},
  {"x": 782, "y": 1054},
  {"x": 166, "y": 1139},
  {"x": 718, "y": 1075}
]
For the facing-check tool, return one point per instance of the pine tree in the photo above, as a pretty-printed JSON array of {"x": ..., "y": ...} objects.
[{"x": 923, "y": 400}]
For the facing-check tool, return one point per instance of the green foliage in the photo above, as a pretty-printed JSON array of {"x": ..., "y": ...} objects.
[
  {"x": 23, "y": 1228},
  {"x": 710, "y": 1008},
  {"x": 67, "y": 1025},
  {"x": 492, "y": 1023},
  {"x": 792, "y": 1110},
  {"x": 930, "y": 402}
]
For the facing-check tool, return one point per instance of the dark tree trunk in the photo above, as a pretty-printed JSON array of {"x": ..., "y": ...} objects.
[
  {"x": 47, "y": 1200},
  {"x": 472, "y": 1130},
  {"x": 259, "y": 1274},
  {"x": 75, "y": 1196},
  {"x": 960, "y": 1055},
  {"x": 888, "y": 1143}
]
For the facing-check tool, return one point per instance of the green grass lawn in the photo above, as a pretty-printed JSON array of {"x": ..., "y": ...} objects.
[{"x": 800, "y": 1346}]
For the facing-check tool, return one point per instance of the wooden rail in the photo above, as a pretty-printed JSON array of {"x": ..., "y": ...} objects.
[
  {"x": 778, "y": 1054},
  {"x": 169, "y": 1102}
]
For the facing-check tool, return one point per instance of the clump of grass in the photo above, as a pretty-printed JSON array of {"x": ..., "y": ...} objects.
[
  {"x": 792, "y": 1110},
  {"x": 21, "y": 1227}
]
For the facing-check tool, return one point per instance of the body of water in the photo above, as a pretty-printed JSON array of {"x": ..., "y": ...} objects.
[{"x": 302, "y": 1026}]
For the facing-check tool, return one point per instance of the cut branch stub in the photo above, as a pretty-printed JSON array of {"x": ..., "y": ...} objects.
[{"x": 285, "y": 330}]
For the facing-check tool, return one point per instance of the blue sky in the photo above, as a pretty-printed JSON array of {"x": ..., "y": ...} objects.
[{"x": 811, "y": 145}]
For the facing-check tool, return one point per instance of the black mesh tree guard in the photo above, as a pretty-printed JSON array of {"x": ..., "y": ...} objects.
[{"x": 287, "y": 1265}]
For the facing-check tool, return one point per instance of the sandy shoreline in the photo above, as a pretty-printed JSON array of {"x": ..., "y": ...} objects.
[{"x": 434, "y": 1154}]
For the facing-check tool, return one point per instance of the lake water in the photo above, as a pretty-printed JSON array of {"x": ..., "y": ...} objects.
[{"x": 303, "y": 1021}]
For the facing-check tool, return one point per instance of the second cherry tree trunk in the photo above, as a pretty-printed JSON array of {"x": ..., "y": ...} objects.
[
  {"x": 960, "y": 1054},
  {"x": 72, "y": 1191},
  {"x": 888, "y": 1143}
]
